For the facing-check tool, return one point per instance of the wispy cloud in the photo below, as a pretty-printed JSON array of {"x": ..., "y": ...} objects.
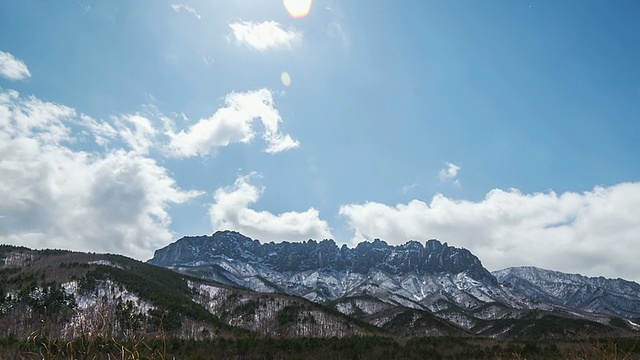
[
  {"x": 136, "y": 131},
  {"x": 186, "y": 8},
  {"x": 263, "y": 36},
  {"x": 336, "y": 31},
  {"x": 336, "y": 28},
  {"x": 234, "y": 124},
  {"x": 449, "y": 172},
  {"x": 407, "y": 188},
  {"x": 231, "y": 210},
  {"x": 12, "y": 68}
]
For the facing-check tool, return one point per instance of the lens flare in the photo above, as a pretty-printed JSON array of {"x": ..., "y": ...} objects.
[
  {"x": 298, "y": 8},
  {"x": 285, "y": 78}
]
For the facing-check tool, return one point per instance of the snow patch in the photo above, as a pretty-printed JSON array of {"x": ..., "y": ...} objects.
[
  {"x": 17, "y": 259},
  {"x": 105, "y": 263}
]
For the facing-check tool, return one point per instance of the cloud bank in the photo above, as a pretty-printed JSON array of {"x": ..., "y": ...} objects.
[
  {"x": 595, "y": 232},
  {"x": 231, "y": 210},
  {"x": 55, "y": 196}
]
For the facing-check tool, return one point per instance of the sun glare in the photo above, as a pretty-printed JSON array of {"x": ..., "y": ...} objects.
[
  {"x": 285, "y": 78},
  {"x": 298, "y": 8}
]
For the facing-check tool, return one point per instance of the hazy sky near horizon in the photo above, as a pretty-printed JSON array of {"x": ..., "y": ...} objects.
[{"x": 510, "y": 128}]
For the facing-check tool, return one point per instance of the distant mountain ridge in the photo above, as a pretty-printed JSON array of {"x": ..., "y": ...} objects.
[{"x": 592, "y": 294}]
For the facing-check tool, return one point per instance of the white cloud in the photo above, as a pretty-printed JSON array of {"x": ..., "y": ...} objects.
[
  {"x": 55, "y": 196},
  {"x": 279, "y": 143},
  {"x": 449, "y": 172},
  {"x": 231, "y": 211},
  {"x": 595, "y": 232},
  {"x": 136, "y": 131},
  {"x": 12, "y": 68},
  {"x": 103, "y": 132},
  {"x": 32, "y": 115},
  {"x": 263, "y": 36},
  {"x": 234, "y": 124},
  {"x": 186, "y": 8}
]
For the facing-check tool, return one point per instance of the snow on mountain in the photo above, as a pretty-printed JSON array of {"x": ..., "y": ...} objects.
[
  {"x": 323, "y": 271},
  {"x": 592, "y": 294},
  {"x": 69, "y": 295},
  {"x": 405, "y": 288},
  {"x": 427, "y": 277}
]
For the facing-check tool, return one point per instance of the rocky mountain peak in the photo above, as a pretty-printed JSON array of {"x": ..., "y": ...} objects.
[
  {"x": 411, "y": 257},
  {"x": 434, "y": 245}
]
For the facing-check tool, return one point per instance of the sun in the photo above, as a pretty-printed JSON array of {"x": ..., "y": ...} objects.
[{"x": 298, "y": 8}]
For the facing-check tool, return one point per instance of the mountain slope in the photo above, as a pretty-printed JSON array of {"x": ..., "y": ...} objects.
[
  {"x": 68, "y": 295},
  {"x": 592, "y": 294}
]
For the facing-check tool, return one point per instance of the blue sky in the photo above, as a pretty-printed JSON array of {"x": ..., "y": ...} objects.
[{"x": 507, "y": 127}]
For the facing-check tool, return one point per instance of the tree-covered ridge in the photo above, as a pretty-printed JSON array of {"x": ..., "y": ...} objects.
[
  {"x": 165, "y": 289},
  {"x": 111, "y": 295}
]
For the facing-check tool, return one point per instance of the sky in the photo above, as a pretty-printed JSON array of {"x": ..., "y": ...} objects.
[{"x": 510, "y": 128}]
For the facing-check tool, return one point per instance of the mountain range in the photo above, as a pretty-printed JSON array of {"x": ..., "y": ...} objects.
[
  {"x": 227, "y": 283},
  {"x": 375, "y": 281}
]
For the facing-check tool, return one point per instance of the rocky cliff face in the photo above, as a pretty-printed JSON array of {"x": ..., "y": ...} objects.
[{"x": 367, "y": 257}]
